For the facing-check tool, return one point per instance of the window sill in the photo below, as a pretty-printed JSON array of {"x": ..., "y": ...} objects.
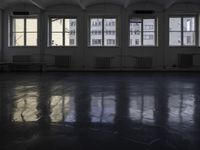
[
  {"x": 143, "y": 47},
  {"x": 103, "y": 47},
  {"x": 23, "y": 47},
  {"x": 62, "y": 47},
  {"x": 183, "y": 46}
]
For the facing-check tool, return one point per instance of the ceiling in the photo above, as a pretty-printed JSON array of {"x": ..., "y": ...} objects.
[{"x": 42, "y": 4}]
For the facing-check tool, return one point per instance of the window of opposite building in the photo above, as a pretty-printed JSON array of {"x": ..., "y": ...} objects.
[
  {"x": 182, "y": 31},
  {"x": 24, "y": 31},
  {"x": 63, "y": 32},
  {"x": 103, "y": 32},
  {"x": 142, "y": 32}
]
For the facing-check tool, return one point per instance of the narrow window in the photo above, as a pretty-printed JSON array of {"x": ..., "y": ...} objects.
[
  {"x": 24, "y": 32},
  {"x": 142, "y": 32},
  {"x": 189, "y": 34},
  {"x": 63, "y": 32},
  {"x": 103, "y": 32},
  {"x": 182, "y": 31}
]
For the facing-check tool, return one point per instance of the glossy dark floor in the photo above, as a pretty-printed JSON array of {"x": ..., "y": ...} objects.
[{"x": 100, "y": 111}]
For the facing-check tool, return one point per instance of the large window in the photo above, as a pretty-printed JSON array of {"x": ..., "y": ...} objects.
[
  {"x": 142, "y": 32},
  {"x": 24, "y": 32},
  {"x": 63, "y": 32},
  {"x": 182, "y": 31},
  {"x": 103, "y": 32}
]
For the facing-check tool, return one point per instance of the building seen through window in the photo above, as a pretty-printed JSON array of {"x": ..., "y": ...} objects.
[
  {"x": 182, "y": 31},
  {"x": 142, "y": 32},
  {"x": 103, "y": 32}
]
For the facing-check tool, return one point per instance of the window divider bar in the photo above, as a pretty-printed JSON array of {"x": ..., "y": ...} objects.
[
  {"x": 103, "y": 30},
  {"x": 25, "y": 28},
  {"x": 63, "y": 31}
]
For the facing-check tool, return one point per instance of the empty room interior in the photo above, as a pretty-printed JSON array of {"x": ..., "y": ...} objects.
[{"x": 100, "y": 74}]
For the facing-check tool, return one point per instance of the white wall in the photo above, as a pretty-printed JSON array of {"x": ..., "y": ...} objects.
[{"x": 83, "y": 56}]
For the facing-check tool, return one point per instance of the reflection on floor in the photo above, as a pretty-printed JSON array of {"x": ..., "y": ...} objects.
[{"x": 100, "y": 111}]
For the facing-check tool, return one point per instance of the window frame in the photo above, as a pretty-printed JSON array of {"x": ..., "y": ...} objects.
[
  {"x": 156, "y": 42},
  {"x": 103, "y": 18},
  {"x": 182, "y": 16},
  {"x": 10, "y": 44},
  {"x": 49, "y": 37}
]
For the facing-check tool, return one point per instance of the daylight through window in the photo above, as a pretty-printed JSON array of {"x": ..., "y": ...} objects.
[
  {"x": 103, "y": 32},
  {"x": 24, "y": 32},
  {"x": 182, "y": 31},
  {"x": 63, "y": 32},
  {"x": 142, "y": 32}
]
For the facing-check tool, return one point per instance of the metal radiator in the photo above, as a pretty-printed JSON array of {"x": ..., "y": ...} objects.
[
  {"x": 144, "y": 62},
  {"x": 103, "y": 62},
  {"x": 196, "y": 60},
  {"x": 63, "y": 61},
  {"x": 21, "y": 63},
  {"x": 21, "y": 59},
  {"x": 185, "y": 60}
]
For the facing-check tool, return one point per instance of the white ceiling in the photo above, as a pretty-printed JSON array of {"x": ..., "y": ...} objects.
[{"x": 84, "y": 3}]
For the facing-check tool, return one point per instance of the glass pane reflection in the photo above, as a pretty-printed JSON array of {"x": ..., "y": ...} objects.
[
  {"x": 25, "y": 110},
  {"x": 62, "y": 109},
  {"x": 181, "y": 107},
  {"x": 103, "y": 108},
  {"x": 142, "y": 108},
  {"x": 25, "y": 105}
]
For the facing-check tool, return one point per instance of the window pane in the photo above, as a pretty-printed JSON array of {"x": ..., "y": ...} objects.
[
  {"x": 189, "y": 38},
  {"x": 110, "y": 32},
  {"x": 57, "y": 25},
  {"x": 135, "y": 27},
  {"x": 135, "y": 32},
  {"x": 135, "y": 38},
  {"x": 70, "y": 32},
  {"x": 70, "y": 24},
  {"x": 31, "y": 25},
  {"x": 18, "y": 39},
  {"x": 96, "y": 32},
  {"x": 57, "y": 39},
  {"x": 149, "y": 38},
  {"x": 149, "y": 25},
  {"x": 31, "y": 39},
  {"x": 70, "y": 40},
  {"x": 135, "y": 20},
  {"x": 135, "y": 24},
  {"x": 175, "y": 24},
  {"x": 189, "y": 24},
  {"x": 175, "y": 38},
  {"x": 18, "y": 25}
]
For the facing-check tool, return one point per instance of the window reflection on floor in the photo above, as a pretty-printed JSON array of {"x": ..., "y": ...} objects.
[
  {"x": 103, "y": 108},
  {"x": 25, "y": 105},
  {"x": 181, "y": 108},
  {"x": 62, "y": 109},
  {"x": 142, "y": 108},
  {"x": 181, "y": 102}
]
